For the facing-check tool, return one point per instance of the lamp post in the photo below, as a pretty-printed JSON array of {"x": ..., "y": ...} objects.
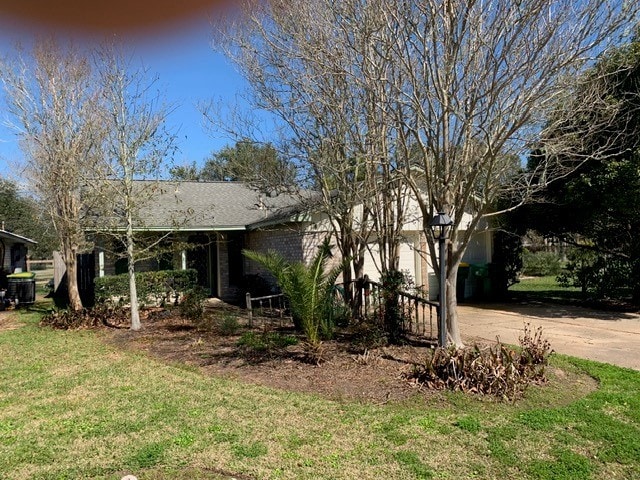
[{"x": 440, "y": 225}]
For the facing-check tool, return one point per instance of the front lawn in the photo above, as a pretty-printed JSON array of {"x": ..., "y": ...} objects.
[
  {"x": 73, "y": 406},
  {"x": 544, "y": 289}
]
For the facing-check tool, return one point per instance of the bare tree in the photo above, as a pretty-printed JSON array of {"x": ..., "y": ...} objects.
[
  {"x": 449, "y": 92},
  {"x": 476, "y": 82},
  {"x": 52, "y": 98},
  {"x": 314, "y": 66},
  {"x": 135, "y": 148}
]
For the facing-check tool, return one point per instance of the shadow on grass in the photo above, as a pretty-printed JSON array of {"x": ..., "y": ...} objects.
[
  {"x": 39, "y": 306},
  {"x": 191, "y": 473}
]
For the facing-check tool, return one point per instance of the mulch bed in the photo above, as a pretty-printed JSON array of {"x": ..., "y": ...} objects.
[
  {"x": 374, "y": 375},
  {"x": 349, "y": 369}
]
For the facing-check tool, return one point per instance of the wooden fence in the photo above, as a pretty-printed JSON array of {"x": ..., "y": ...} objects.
[
  {"x": 272, "y": 306},
  {"x": 47, "y": 264}
]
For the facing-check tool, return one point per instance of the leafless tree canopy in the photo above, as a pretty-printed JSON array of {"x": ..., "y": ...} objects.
[
  {"x": 89, "y": 125},
  {"x": 135, "y": 147},
  {"x": 451, "y": 94},
  {"x": 52, "y": 100}
]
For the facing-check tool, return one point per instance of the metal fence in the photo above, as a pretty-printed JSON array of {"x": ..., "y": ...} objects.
[{"x": 418, "y": 316}]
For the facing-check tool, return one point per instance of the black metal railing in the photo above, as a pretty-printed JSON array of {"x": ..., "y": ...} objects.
[{"x": 418, "y": 316}]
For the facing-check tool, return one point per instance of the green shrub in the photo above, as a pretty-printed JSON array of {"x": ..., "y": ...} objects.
[
  {"x": 228, "y": 324},
  {"x": 192, "y": 304},
  {"x": 392, "y": 283},
  {"x": 598, "y": 275},
  {"x": 369, "y": 334},
  {"x": 266, "y": 342},
  {"x": 159, "y": 287},
  {"x": 540, "y": 264}
]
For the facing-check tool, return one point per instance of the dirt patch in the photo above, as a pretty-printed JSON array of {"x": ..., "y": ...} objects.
[
  {"x": 372, "y": 375},
  {"x": 8, "y": 320},
  {"x": 348, "y": 371}
]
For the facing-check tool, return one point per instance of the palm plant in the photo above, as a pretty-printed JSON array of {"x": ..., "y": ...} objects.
[{"x": 309, "y": 289}]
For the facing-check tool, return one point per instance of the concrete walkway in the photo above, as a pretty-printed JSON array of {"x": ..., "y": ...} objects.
[{"x": 610, "y": 337}]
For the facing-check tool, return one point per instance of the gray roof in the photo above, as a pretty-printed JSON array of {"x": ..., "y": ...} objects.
[
  {"x": 16, "y": 238},
  {"x": 212, "y": 206}
]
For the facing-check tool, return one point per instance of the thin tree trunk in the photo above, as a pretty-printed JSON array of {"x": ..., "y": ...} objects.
[{"x": 133, "y": 291}]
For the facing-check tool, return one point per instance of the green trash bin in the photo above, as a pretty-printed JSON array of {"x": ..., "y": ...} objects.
[
  {"x": 21, "y": 288},
  {"x": 461, "y": 283},
  {"x": 480, "y": 284}
]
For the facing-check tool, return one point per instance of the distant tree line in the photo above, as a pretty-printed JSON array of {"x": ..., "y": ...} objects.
[
  {"x": 21, "y": 214},
  {"x": 259, "y": 165},
  {"x": 595, "y": 209}
]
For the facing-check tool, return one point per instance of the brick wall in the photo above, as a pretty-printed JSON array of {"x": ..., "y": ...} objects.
[
  {"x": 295, "y": 242},
  {"x": 287, "y": 240}
]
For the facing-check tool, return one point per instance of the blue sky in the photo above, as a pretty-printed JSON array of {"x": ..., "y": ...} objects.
[{"x": 188, "y": 71}]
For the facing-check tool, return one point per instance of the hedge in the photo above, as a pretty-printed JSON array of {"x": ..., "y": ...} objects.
[
  {"x": 157, "y": 287},
  {"x": 539, "y": 264}
]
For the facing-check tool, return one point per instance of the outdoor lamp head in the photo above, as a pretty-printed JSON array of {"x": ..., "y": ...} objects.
[{"x": 439, "y": 225}]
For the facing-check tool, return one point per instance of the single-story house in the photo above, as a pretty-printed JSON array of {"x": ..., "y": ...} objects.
[
  {"x": 220, "y": 219},
  {"x": 211, "y": 223}
]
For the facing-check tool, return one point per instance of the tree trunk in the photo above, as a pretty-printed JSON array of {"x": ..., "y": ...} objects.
[
  {"x": 453, "y": 327},
  {"x": 133, "y": 291},
  {"x": 133, "y": 294},
  {"x": 391, "y": 285},
  {"x": 356, "y": 304},
  {"x": 69, "y": 254}
]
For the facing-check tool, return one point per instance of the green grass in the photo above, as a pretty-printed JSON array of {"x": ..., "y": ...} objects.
[
  {"x": 544, "y": 289},
  {"x": 73, "y": 407}
]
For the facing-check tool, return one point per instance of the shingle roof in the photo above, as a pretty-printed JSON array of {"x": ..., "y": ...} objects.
[
  {"x": 16, "y": 238},
  {"x": 212, "y": 206}
]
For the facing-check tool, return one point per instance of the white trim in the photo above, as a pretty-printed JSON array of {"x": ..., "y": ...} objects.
[
  {"x": 101, "y": 264},
  {"x": 217, "y": 269}
]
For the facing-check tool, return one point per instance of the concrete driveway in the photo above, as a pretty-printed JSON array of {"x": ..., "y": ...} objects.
[{"x": 610, "y": 337}]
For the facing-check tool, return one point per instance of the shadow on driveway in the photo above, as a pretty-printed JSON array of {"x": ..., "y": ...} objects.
[
  {"x": 553, "y": 310},
  {"x": 610, "y": 337}
]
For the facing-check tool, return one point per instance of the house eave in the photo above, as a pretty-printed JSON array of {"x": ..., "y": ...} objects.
[
  {"x": 270, "y": 222},
  {"x": 16, "y": 237},
  {"x": 218, "y": 228}
]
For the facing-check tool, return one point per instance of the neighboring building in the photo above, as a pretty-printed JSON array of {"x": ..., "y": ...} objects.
[
  {"x": 13, "y": 252},
  {"x": 13, "y": 255},
  {"x": 220, "y": 219}
]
